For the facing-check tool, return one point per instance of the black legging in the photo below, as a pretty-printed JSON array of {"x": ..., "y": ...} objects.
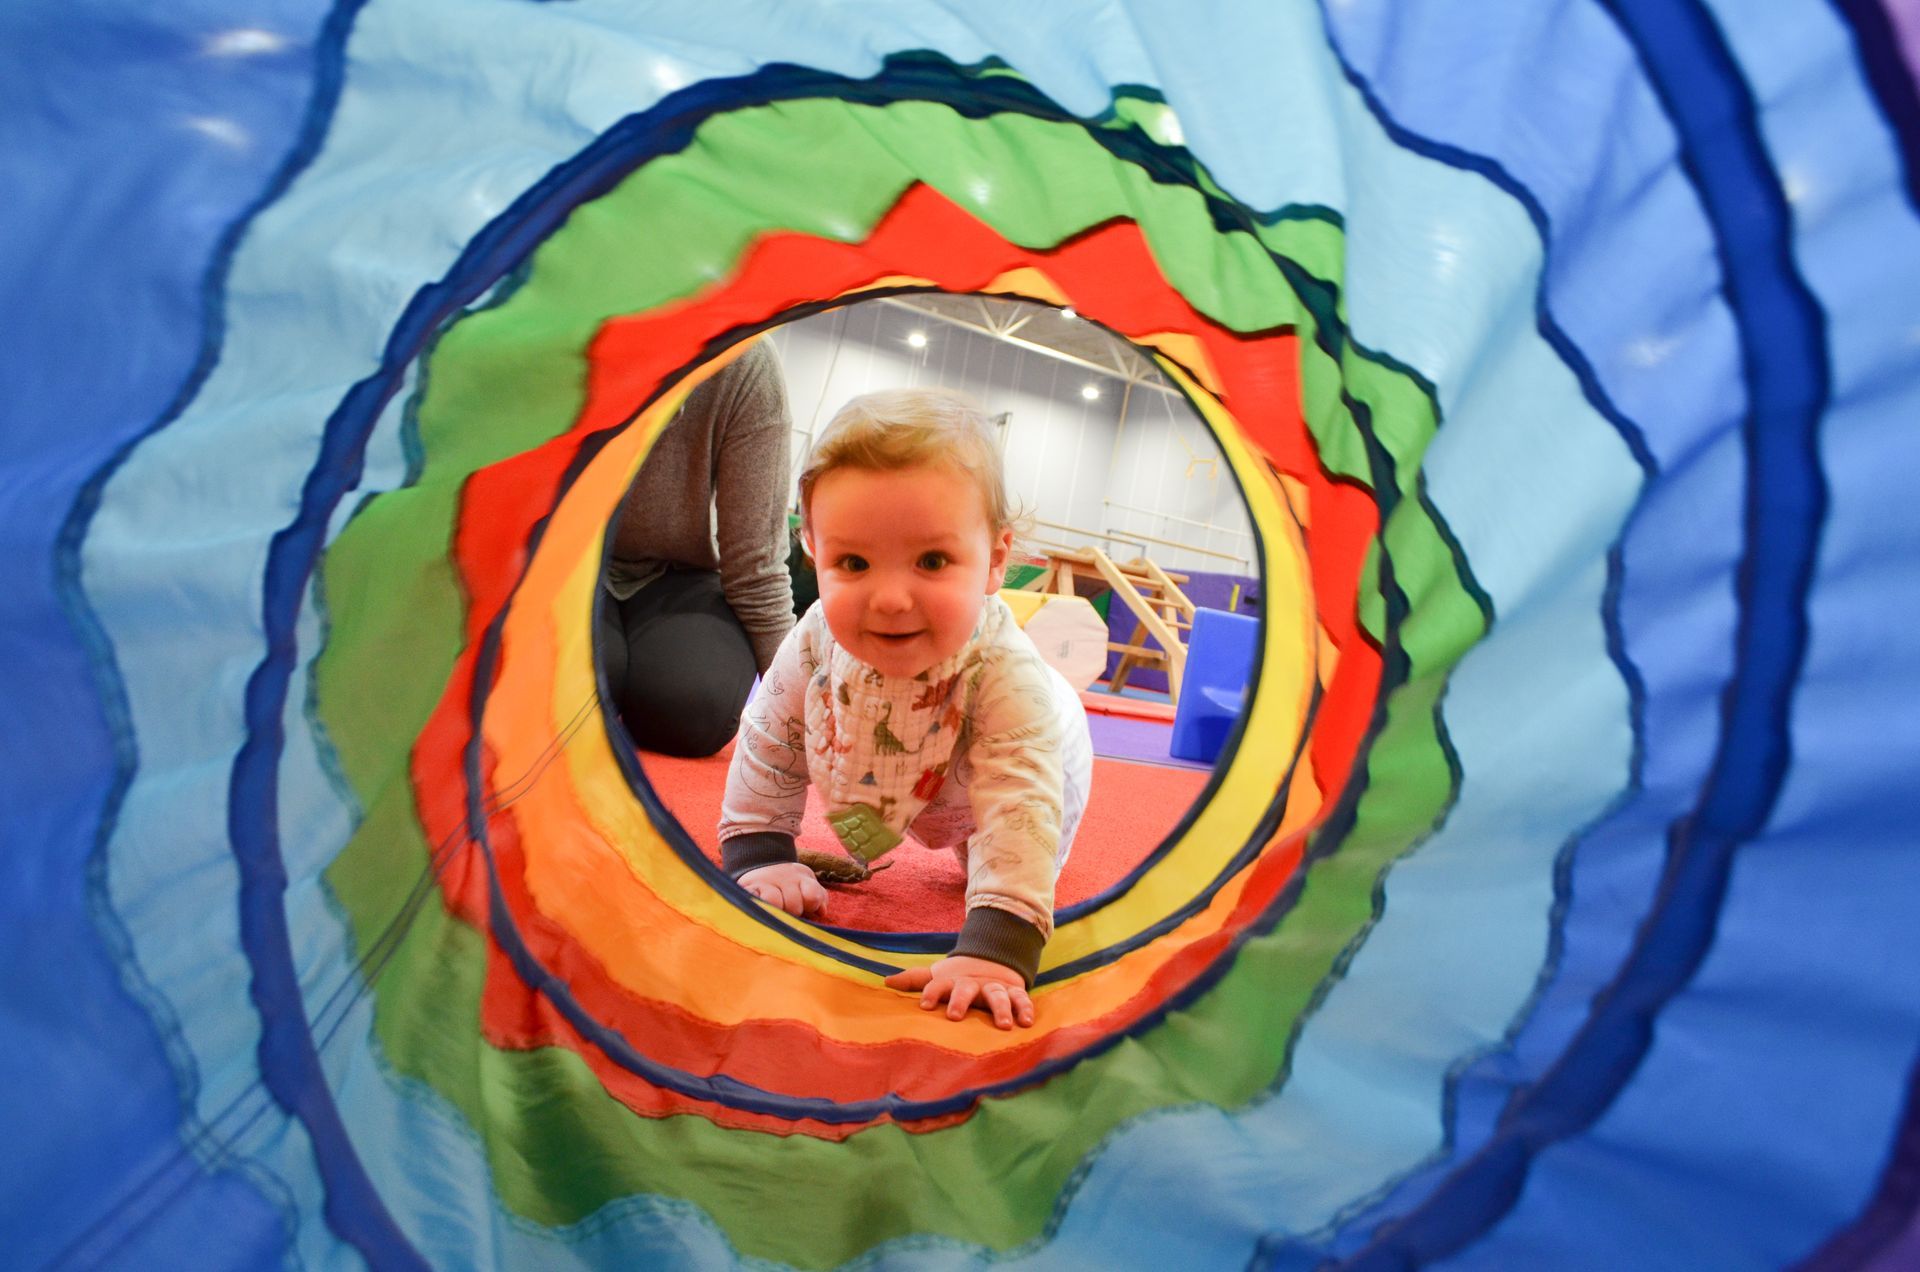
[{"x": 678, "y": 663}]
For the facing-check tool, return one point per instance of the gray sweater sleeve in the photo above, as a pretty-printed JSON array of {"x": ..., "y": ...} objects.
[{"x": 752, "y": 472}]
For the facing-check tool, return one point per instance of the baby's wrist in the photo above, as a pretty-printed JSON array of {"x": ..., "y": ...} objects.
[
  {"x": 755, "y": 849},
  {"x": 999, "y": 936}
]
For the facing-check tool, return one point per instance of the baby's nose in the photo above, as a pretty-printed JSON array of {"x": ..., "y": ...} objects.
[{"x": 892, "y": 598}]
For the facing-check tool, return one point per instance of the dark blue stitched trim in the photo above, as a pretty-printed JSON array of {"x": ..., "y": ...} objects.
[
  {"x": 1890, "y": 80},
  {"x": 1782, "y": 341},
  {"x": 1276, "y": 1250},
  {"x": 288, "y": 1057},
  {"x": 354, "y": 1210},
  {"x": 289, "y": 1061},
  {"x": 1284, "y": 1252}
]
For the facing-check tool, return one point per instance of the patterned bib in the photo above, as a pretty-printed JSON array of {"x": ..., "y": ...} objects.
[{"x": 879, "y": 747}]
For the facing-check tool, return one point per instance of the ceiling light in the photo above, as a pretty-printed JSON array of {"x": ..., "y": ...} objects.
[
  {"x": 1089, "y": 391},
  {"x": 918, "y": 339}
]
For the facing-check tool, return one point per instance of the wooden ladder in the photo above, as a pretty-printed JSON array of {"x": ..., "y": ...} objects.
[{"x": 1160, "y": 609}]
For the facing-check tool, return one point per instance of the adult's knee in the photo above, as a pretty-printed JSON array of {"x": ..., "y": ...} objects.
[
  {"x": 700, "y": 732},
  {"x": 689, "y": 667},
  {"x": 684, "y": 717}
]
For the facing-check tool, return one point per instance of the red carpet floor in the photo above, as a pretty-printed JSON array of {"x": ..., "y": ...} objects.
[{"x": 1132, "y": 808}]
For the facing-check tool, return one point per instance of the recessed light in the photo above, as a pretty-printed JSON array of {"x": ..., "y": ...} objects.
[
  {"x": 1090, "y": 391},
  {"x": 918, "y": 339}
]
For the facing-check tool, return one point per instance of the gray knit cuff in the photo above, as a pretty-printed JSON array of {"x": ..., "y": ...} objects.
[
  {"x": 1002, "y": 937},
  {"x": 755, "y": 849}
]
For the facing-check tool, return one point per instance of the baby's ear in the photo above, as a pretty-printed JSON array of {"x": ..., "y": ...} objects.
[{"x": 997, "y": 560}]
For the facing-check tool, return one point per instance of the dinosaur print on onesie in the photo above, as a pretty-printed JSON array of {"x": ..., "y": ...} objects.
[
  {"x": 776, "y": 769},
  {"x": 897, "y": 756}
]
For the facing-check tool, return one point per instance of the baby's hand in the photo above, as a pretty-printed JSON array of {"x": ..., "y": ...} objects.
[
  {"x": 964, "y": 981},
  {"x": 789, "y": 885}
]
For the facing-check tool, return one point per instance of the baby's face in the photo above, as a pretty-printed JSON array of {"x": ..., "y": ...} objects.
[{"x": 905, "y": 559}]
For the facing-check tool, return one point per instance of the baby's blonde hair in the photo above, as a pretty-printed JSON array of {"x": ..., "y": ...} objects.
[{"x": 908, "y": 428}]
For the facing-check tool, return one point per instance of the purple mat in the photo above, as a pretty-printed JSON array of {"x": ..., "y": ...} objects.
[{"x": 1127, "y": 738}]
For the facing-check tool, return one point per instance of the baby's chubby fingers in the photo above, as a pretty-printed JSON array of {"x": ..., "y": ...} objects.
[
  {"x": 962, "y": 983},
  {"x": 802, "y": 897},
  {"x": 789, "y": 885},
  {"x": 933, "y": 986},
  {"x": 785, "y": 897},
  {"x": 910, "y": 979},
  {"x": 1006, "y": 1005},
  {"x": 936, "y": 991},
  {"x": 965, "y": 990},
  {"x": 813, "y": 894}
]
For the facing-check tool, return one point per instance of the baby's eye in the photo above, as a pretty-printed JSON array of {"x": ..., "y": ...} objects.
[
  {"x": 933, "y": 560},
  {"x": 852, "y": 564}
]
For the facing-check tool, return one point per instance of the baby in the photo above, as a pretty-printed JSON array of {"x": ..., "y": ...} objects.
[{"x": 912, "y": 700}]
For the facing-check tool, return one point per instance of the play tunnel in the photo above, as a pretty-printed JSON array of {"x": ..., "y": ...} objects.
[{"x": 1554, "y": 905}]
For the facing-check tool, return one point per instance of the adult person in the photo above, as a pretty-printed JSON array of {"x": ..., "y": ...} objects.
[{"x": 697, "y": 593}]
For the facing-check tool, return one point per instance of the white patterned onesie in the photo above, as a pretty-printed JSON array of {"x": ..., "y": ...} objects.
[{"x": 987, "y": 754}]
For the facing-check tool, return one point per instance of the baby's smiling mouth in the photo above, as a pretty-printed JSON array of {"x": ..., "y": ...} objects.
[{"x": 895, "y": 637}]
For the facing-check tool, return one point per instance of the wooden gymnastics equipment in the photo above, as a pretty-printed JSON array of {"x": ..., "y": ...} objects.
[{"x": 1160, "y": 609}]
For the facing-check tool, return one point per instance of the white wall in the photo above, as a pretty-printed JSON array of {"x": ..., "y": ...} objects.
[
  {"x": 1069, "y": 460},
  {"x": 1168, "y": 480}
]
